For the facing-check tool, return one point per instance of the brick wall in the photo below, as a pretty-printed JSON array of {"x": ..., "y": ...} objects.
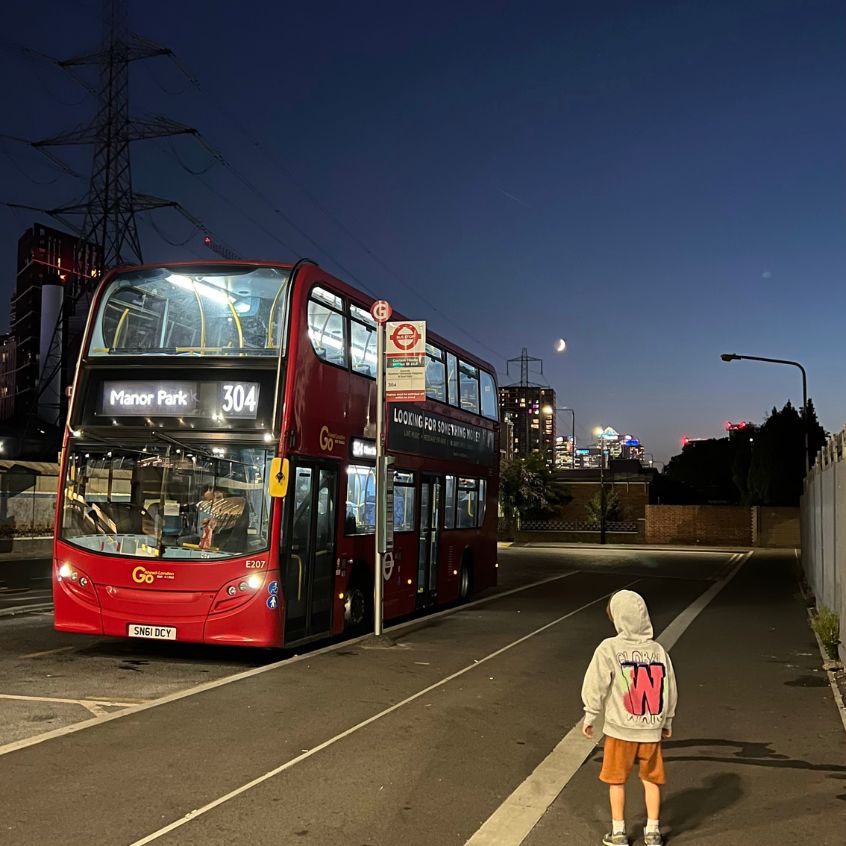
[
  {"x": 776, "y": 527},
  {"x": 709, "y": 525},
  {"x": 633, "y": 497}
]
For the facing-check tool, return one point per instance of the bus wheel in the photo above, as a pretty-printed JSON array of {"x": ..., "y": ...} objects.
[
  {"x": 464, "y": 582},
  {"x": 357, "y": 607}
]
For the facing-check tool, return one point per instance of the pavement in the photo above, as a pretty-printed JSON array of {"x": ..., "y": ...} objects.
[{"x": 423, "y": 743}]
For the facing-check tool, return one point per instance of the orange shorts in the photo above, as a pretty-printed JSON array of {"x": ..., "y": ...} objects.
[{"x": 619, "y": 758}]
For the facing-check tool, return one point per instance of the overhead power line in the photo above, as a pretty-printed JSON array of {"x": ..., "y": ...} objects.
[{"x": 238, "y": 122}]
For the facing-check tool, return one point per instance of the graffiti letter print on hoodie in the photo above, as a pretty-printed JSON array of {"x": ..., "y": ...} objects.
[{"x": 631, "y": 676}]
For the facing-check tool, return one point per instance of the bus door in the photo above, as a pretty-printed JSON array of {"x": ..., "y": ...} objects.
[
  {"x": 308, "y": 571},
  {"x": 427, "y": 550}
]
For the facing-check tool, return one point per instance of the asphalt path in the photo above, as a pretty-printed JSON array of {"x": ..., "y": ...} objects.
[
  {"x": 417, "y": 744},
  {"x": 758, "y": 753},
  {"x": 24, "y": 585}
]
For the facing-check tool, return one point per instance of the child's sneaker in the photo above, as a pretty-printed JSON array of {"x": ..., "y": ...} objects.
[
  {"x": 619, "y": 839},
  {"x": 653, "y": 838}
]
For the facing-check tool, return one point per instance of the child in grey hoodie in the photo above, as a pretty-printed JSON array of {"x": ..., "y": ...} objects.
[{"x": 632, "y": 678}]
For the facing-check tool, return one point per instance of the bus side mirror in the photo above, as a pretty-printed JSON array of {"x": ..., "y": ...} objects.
[{"x": 277, "y": 484}]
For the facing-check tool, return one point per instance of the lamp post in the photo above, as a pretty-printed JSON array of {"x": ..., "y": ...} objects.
[
  {"x": 602, "y": 500},
  {"x": 736, "y": 357}
]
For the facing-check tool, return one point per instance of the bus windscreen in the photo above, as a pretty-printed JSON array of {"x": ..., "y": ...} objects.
[
  {"x": 162, "y": 501},
  {"x": 235, "y": 311}
]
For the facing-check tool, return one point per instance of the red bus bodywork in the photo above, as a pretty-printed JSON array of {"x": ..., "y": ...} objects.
[{"x": 321, "y": 408}]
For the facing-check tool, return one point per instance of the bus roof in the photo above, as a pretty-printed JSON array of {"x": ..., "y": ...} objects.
[{"x": 343, "y": 288}]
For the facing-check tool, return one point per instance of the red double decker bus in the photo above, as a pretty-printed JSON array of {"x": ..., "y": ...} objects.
[{"x": 195, "y": 381}]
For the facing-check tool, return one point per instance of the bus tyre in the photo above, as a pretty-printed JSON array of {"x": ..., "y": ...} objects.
[
  {"x": 358, "y": 607},
  {"x": 465, "y": 582}
]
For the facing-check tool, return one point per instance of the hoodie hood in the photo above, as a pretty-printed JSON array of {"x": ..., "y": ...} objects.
[{"x": 631, "y": 619}]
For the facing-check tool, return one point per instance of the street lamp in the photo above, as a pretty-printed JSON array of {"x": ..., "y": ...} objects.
[
  {"x": 736, "y": 357},
  {"x": 598, "y": 432},
  {"x": 548, "y": 409}
]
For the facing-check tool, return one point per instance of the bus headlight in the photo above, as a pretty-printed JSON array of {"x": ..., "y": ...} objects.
[
  {"x": 75, "y": 582},
  {"x": 237, "y": 592}
]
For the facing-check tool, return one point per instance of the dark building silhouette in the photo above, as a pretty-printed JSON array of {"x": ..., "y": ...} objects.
[{"x": 48, "y": 261}]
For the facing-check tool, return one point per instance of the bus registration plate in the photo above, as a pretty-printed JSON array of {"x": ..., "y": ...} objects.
[{"x": 155, "y": 632}]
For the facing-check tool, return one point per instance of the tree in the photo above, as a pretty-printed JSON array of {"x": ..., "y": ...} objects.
[
  {"x": 713, "y": 470},
  {"x": 613, "y": 508},
  {"x": 754, "y": 465},
  {"x": 777, "y": 467},
  {"x": 526, "y": 488},
  {"x": 816, "y": 434}
]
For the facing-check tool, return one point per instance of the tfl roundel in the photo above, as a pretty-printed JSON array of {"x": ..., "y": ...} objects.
[
  {"x": 405, "y": 336},
  {"x": 381, "y": 311}
]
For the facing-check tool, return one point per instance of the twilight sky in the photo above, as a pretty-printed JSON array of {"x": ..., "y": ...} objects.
[{"x": 658, "y": 182}]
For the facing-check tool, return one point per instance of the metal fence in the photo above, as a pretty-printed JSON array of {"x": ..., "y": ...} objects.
[
  {"x": 576, "y": 526},
  {"x": 823, "y": 527}
]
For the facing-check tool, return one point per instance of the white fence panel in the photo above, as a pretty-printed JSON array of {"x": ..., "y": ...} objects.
[{"x": 823, "y": 524}]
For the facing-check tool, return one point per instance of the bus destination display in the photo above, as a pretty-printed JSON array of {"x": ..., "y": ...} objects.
[{"x": 180, "y": 399}]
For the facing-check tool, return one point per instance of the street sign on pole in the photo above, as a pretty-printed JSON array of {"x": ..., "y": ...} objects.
[
  {"x": 405, "y": 352},
  {"x": 385, "y": 504},
  {"x": 381, "y": 311}
]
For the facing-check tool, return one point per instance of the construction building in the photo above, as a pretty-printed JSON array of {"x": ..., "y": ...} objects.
[{"x": 48, "y": 261}]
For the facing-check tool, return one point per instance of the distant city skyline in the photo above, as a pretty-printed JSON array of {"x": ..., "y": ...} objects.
[{"x": 654, "y": 183}]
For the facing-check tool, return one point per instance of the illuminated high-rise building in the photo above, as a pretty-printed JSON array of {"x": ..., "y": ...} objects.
[{"x": 527, "y": 408}]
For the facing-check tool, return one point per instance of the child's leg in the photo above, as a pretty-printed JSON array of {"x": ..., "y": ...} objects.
[
  {"x": 652, "y": 795},
  {"x": 617, "y": 794}
]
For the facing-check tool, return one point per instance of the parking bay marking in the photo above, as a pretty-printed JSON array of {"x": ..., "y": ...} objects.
[
  {"x": 512, "y": 822},
  {"x": 48, "y": 652},
  {"x": 94, "y": 706},
  {"x": 255, "y": 671},
  {"x": 198, "y": 812}
]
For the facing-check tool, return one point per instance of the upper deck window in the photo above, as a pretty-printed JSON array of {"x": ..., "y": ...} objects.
[
  {"x": 452, "y": 379},
  {"x": 362, "y": 341},
  {"x": 231, "y": 311},
  {"x": 326, "y": 326},
  {"x": 489, "y": 403},
  {"x": 435, "y": 374},
  {"x": 468, "y": 377}
]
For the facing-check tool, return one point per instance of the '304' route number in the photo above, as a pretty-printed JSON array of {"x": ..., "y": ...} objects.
[{"x": 238, "y": 398}]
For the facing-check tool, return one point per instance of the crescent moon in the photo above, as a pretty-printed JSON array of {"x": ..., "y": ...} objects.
[{"x": 560, "y": 345}]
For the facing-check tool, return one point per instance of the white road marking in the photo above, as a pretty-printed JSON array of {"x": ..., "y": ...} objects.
[
  {"x": 513, "y": 820},
  {"x": 255, "y": 671},
  {"x": 93, "y": 705},
  {"x": 192, "y": 815},
  {"x": 26, "y": 609},
  {"x": 48, "y": 652},
  {"x": 635, "y": 550}
]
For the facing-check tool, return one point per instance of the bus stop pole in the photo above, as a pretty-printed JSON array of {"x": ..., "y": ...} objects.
[{"x": 380, "y": 479}]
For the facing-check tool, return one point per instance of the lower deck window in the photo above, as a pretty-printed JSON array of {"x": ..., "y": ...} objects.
[
  {"x": 464, "y": 503},
  {"x": 361, "y": 500},
  {"x": 404, "y": 499}
]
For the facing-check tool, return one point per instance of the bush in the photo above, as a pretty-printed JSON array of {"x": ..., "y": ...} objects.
[{"x": 827, "y": 626}]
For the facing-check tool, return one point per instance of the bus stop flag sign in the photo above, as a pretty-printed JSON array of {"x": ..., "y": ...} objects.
[{"x": 405, "y": 361}]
